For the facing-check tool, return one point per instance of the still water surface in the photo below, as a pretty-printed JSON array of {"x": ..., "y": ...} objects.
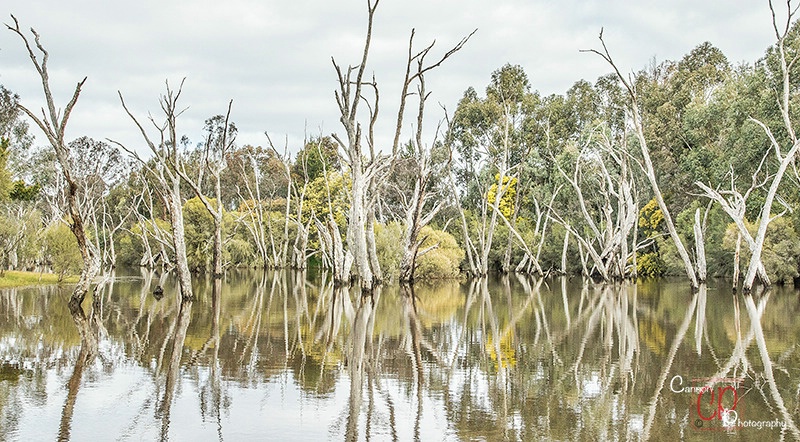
[{"x": 286, "y": 356}]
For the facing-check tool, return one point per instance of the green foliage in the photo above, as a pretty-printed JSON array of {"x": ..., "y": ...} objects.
[
  {"x": 20, "y": 226},
  {"x": 6, "y": 184},
  {"x": 651, "y": 219},
  {"x": 781, "y": 254},
  {"x": 62, "y": 251},
  {"x": 129, "y": 249},
  {"x": 241, "y": 252},
  {"x": 321, "y": 197},
  {"x": 23, "y": 192},
  {"x": 649, "y": 264},
  {"x": 317, "y": 156},
  {"x": 199, "y": 234},
  {"x": 15, "y": 278},
  {"x": 389, "y": 245},
  {"x": 442, "y": 262}
]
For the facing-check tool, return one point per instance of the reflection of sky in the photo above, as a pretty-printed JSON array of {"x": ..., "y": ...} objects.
[
  {"x": 121, "y": 404},
  {"x": 593, "y": 386},
  {"x": 269, "y": 399}
]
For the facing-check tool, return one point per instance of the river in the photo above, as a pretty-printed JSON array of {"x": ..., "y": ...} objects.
[{"x": 287, "y": 356}]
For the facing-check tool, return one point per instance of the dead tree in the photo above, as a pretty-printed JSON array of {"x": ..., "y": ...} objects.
[
  {"x": 53, "y": 123},
  {"x": 425, "y": 202},
  {"x": 607, "y": 242},
  {"x": 164, "y": 167},
  {"x": 247, "y": 164},
  {"x": 734, "y": 204},
  {"x": 300, "y": 246},
  {"x": 221, "y": 134},
  {"x": 756, "y": 244},
  {"x": 366, "y": 171},
  {"x": 363, "y": 169},
  {"x": 633, "y": 115}
]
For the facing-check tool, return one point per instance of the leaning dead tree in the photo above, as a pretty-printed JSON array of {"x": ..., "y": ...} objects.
[
  {"x": 735, "y": 207},
  {"x": 634, "y": 117},
  {"x": 734, "y": 204},
  {"x": 163, "y": 168},
  {"x": 54, "y": 123}
]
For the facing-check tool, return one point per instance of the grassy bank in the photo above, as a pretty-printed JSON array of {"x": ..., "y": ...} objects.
[{"x": 14, "y": 278}]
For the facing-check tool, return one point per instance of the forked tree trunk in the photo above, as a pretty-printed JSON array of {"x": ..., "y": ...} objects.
[
  {"x": 168, "y": 180},
  {"x": 53, "y": 123},
  {"x": 635, "y": 117}
]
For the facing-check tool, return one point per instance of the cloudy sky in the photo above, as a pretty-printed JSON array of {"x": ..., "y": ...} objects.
[{"x": 273, "y": 58}]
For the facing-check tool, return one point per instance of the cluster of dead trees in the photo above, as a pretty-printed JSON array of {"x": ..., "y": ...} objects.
[{"x": 604, "y": 176}]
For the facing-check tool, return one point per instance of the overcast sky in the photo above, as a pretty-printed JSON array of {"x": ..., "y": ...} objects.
[{"x": 273, "y": 58}]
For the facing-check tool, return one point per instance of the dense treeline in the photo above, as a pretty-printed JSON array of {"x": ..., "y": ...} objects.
[{"x": 669, "y": 171}]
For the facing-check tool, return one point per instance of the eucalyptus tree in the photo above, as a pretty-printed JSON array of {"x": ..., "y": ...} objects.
[
  {"x": 97, "y": 167},
  {"x": 17, "y": 210},
  {"x": 311, "y": 163},
  {"x": 14, "y": 140},
  {"x": 20, "y": 223},
  {"x": 489, "y": 135}
]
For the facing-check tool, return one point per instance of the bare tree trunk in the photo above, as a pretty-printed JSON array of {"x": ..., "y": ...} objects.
[
  {"x": 254, "y": 204},
  {"x": 469, "y": 246},
  {"x": 348, "y": 97},
  {"x": 700, "y": 250},
  {"x": 218, "y": 142},
  {"x": 53, "y": 123},
  {"x": 167, "y": 160},
  {"x": 340, "y": 260},
  {"x": 366, "y": 171},
  {"x": 636, "y": 118},
  {"x": 506, "y": 265},
  {"x": 785, "y": 161},
  {"x": 372, "y": 249},
  {"x": 736, "y": 255}
]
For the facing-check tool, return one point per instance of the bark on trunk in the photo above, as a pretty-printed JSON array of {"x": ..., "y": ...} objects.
[
  {"x": 53, "y": 123},
  {"x": 700, "y": 250}
]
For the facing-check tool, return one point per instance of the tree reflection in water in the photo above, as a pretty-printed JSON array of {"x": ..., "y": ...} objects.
[
  {"x": 284, "y": 355},
  {"x": 89, "y": 328},
  {"x": 176, "y": 337}
]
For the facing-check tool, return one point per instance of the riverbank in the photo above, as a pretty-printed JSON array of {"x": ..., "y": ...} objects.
[{"x": 15, "y": 278}]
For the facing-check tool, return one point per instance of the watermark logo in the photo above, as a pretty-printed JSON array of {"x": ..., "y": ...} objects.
[
  {"x": 717, "y": 401},
  {"x": 717, "y": 404}
]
